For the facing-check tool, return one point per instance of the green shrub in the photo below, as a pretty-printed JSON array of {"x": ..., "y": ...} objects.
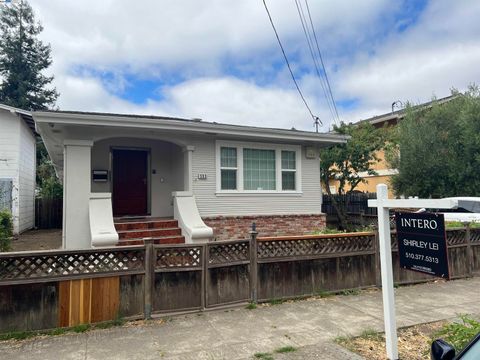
[
  {"x": 6, "y": 230},
  {"x": 459, "y": 334}
]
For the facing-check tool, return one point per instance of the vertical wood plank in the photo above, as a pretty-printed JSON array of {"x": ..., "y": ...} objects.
[
  {"x": 63, "y": 303},
  {"x": 105, "y": 298},
  {"x": 85, "y": 301},
  {"x": 75, "y": 301}
]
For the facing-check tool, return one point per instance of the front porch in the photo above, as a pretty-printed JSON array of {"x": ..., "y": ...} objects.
[{"x": 128, "y": 187}]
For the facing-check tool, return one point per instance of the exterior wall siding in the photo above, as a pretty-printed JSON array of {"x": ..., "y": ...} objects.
[
  {"x": 211, "y": 204},
  {"x": 27, "y": 167},
  {"x": 238, "y": 227},
  {"x": 9, "y": 158}
]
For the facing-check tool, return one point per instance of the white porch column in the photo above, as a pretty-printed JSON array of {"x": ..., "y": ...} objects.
[
  {"x": 76, "y": 193},
  {"x": 188, "y": 168}
]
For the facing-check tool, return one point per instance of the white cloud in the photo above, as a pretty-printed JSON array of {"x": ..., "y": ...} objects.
[
  {"x": 225, "y": 100},
  {"x": 192, "y": 39},
  {"x": 442, "y": 51}
]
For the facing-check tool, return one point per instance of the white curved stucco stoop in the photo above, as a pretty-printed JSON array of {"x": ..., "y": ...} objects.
[
  {"x": 185, "y": 211},
  {"x": 102, "y": 228}
]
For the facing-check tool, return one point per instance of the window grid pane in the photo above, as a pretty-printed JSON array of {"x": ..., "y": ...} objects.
[
  {"x": 288, "y": 180},
  {"x": 228, "y": 157},
  {"x": 288, "y": 160},
  {"x": 259, "y": 169},
  {"x": 229, "y": 179}
]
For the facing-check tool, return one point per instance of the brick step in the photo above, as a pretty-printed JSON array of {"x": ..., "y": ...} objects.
[
  {"x": 153, "y": 233},
  {"x": 149, "y": 224},
  {"x": 156, "y": 240}
]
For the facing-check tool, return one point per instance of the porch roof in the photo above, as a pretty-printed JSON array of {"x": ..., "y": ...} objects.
[{"x": 58, "y": 126}]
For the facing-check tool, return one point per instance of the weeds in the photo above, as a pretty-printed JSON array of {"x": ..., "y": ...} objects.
[
  {"x": 263, "y": 356},
  {"x": 81, "y": 328},
  {"x": 285, "y": 349},
  {"x": 371, "y": 334},
  {"x": 349, "y": 292},
  {"x": 459, "y": 334},
  {"x": 22, "y": 335},
  {"x": 251, "y": 306},
  {"x": 276, "y": 301}
]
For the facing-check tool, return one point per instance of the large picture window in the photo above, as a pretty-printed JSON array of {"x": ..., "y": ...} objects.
[{"x": 257, "y": 168}]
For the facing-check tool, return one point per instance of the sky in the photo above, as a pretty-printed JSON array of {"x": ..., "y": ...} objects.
[{"x": 219, "y": 60}]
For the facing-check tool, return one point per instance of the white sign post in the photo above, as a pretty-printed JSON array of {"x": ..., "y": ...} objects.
[{"x": 383, "y": 205}]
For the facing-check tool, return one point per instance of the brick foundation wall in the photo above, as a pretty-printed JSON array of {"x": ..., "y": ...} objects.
[{"x": 238, "y": 227}]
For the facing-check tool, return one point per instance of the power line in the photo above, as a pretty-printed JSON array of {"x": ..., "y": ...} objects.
[
  {"x": 288, "y": 63},
  {"x": 321, "y": 60},
  {"x": 309, "y": 39}
]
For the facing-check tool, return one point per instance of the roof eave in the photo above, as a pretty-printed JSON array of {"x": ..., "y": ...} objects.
[{"x": 182, "y": 125}]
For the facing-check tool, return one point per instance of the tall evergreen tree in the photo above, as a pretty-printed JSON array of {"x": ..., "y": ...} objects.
[{"x": 23, "y": 59}]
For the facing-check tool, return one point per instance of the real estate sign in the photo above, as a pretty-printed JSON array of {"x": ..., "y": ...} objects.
[{"x": 422, "y": 243}]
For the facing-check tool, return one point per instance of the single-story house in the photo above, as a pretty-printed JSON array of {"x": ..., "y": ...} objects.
[
  {"x": 17, "y": 166},
  {"x": 129, "y": 177}
]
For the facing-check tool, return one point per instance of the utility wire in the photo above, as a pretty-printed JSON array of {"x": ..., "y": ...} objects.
[
  {"x": 309, "y": 39},
  {"x": 321, "y": 59},
  {"x": 288, "y": 63}
]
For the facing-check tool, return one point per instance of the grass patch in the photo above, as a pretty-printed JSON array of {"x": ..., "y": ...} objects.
[
  {"x": 371, "y": 334},
  {"x": 460, "y": 333},
  {"x": 349, "y": 292},
  {"x": 251, "y": 306},
  {"x": 110, "y": 324},
  {"x": 81, "y": 328},
  {"x": 414, "y": 341},
  {"x": 285, "y": 349},
  {"x": 276, "y": 301},
  {"x": 263, "y": 356},
  {"x": 23, "y": 335}
]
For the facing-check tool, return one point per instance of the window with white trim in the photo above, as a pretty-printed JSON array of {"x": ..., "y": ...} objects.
[
  {"x": 259, "y": 169},
  {"x": 248, "y": 167},
  {"x": 289, "y": 170},
  {"x": 228, "y": 168}
]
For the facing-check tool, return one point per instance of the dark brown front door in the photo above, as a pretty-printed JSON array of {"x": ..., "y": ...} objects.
[{"x": 130, "y": 182}]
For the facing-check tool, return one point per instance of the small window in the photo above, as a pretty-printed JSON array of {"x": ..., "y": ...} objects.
[
  {"x": 259, "y": 169},
  {"x": 289, "y": 170},
  {"x": 228, "y": 168}
]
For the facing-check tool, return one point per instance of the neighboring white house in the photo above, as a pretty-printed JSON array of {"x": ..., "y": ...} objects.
[
  {"x": 17, "y": 166},
  {"x": 214, "y": 179}
]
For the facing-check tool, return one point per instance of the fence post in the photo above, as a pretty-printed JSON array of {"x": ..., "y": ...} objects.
[
  {"x": 253, "y": 264},
  {"x": 469, "y": 249},
  {"x": 203, "y": 285},
  {"x": 149, "y": 277}
]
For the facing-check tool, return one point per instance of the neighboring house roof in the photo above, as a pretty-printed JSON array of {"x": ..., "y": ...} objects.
[
  {"x": 379, "y": 120},
  {"x": 23, "y": 114}
]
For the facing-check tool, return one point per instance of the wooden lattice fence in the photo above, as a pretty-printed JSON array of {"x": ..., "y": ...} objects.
[{"x": 64, "y": 288}]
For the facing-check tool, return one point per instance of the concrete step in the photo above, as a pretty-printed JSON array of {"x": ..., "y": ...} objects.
[
  {"x": 156, "y": 240},
  {"x": 122, "y": 225},
  {"x": 153, "y": 233}
]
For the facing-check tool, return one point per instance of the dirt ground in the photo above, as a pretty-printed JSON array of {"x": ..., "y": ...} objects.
[
  {"x": 45, "y": 239},
  {"x": 413, "y": 342}
]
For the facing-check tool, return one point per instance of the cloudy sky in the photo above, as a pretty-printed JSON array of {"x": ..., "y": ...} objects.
[{"x": 219, "y": 59}]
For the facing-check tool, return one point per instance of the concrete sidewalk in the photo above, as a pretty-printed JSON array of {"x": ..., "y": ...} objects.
[{"x": 309, "y": 325}]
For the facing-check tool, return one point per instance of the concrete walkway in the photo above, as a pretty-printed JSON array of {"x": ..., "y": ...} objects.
[{"x": 309, "y": 325}]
